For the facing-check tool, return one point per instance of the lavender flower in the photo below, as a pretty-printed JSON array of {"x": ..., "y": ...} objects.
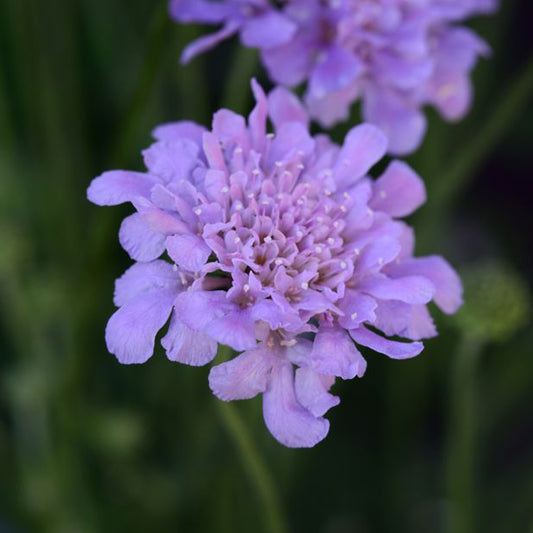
[
  {"x": 280, "y": 247},
  {"x": 395, "y": 56}
]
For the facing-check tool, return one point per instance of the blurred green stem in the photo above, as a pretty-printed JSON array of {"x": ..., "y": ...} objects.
[
  {"x": 457, "y": 175},
  {"x": 464, "y": 421},
  {"x": 237, "y": 89},
  {"x": 253, "y": 463}
]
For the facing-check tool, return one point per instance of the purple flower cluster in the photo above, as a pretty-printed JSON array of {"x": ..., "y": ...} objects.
[
  {"x": 395, "y": 56},
  {"x": 278, "y": 245}
]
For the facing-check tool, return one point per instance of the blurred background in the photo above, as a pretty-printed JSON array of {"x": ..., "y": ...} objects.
[{"x": 441, "y": 443}]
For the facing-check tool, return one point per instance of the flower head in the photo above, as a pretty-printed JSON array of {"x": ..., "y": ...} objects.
[
  {"x": 280, "y": 246},
  {"x": 395, "y": 56}
]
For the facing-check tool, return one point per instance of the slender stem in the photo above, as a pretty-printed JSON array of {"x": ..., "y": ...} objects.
[
  {"x": 253, "y": 464},
  {"x": 237, "y": 89},
  {"x": 463, "y": 435},
  {"x": 461, "y": 170}
]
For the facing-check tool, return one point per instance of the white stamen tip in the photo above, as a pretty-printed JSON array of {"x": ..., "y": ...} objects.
[
  {"x": 246, "y": 287},
  {"x": 380, "y": 261},
  {"x": 278, "y": 261},
  {"x": 268, "y": 238},
  {"x": 270, "y": 135},
  {"x": 236, "y": 240},
  {"x": 198, "y": 211},
  {"x": 344, "y": 208},
  {"x": 353, "y": 316},
  {"x": 292, "y": 342},
  {"x": 300, "y": 166},
  {"x": 238, "y": 150},
  {"x": 318, "y": 249},
  {"x": 304, "y": 285},
  {"x": 344, "y": 264},
  {"x": 279, "y": 164},
  {"x": 175, "y": 267},
  {"x": 299, "y": 234},
  {"x": 346, "y": 195},
  {"x": 224, "y": 189},
  {"x": 357, "y": 251},
  {"x": 331, "y": 240}
]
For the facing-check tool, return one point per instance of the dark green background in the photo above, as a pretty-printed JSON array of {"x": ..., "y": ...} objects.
[{"x": 440, "y": 443}]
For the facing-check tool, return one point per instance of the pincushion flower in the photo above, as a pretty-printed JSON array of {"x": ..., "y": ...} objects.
[
  {"x": 278, "y": 245},
  {"x": 395, "y": 56}
]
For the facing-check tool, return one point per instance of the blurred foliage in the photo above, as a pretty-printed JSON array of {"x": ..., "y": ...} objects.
[{"x": 89, "y": 446}]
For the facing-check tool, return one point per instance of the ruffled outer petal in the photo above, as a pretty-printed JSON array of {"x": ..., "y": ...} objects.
[
  {"x": 289, "y": 422},
  {"x": 141, "y": 243},
  {"x": 398, "y": 191},
  {"x": 145, "y": 277},
  {"x": 189, "y": 251},
  {"x": 393, "y": 349},
  {"x": 401, "y": 121},
  {"x": 243, "y": 377},
  {"x": 334, "y": 354},
  {"x": 448, "y": 288},
  {"x": 284, "y": 106},
  {"x": 408, "y": 289},
  {"x": 187, "y": 346},
  {"x": 267, "y": 31},
  {"x": 363, "y": 147},
  {"x": 119, "y": 186},
  {"x": 312, "y": 391},
  {"x": 131, "y": 331}
]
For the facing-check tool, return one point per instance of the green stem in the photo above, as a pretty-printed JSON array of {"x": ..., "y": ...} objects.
[
  {"x": 488, "y": 135},
  {"x": 461, "y": 170},
  {"x": 237, "y": 89},
  {"x": 253, "y": 464},
  {"x": 464, "y": 420}
]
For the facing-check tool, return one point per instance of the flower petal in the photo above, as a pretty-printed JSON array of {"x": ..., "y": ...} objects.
[
  {"x": 141, "y": 243},
  {"x": 334, "y": 354},
  {"x": 145, "y": 277},
  {"x": 393, "y": 349},
  {"x": 131, "y": 331},
  {"x": 312, "y": 391},
  {"x": 408, "y": 289},
  {"x": 289, "y": 422},
  {"x": 205, "y": 43},
  {"x": 398, "y": 191},
  {"x": 171, "y": 160},
  {"x": 284, "y": 106},
  {"x": 448, "y": 287},
  {"x": 119, "y": 186},
  {"x": 189, "y": 251},
  {"x": 243, "y": 377},
  {"x": 236, "y": 329},
  {"x": 357, "y": 308},
  {"x": 187, "y": 346},
  {"x": 363, "y": 147},
  {"x": 172, "y": 131},
  {"x": 267, "y": 31},
  {"x": 197, "y": 308}
]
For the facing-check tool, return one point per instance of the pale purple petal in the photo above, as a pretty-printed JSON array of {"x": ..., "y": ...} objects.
[
  {"x": 236, "y": 329},
  {"x": 243, "y": 377},
  {"x": 312, "y": 391},
  {"x": 448, "y": 288},
  {"x": 284, "y": 106},
  {"x": 171, "y": 160},
  {"x": 289, "y": 422},
  {"x": 363, "y": 147},
  {"x": 267, "y": 31},
  {"x": 357, "y": 308},
  {"x": 141, "y": 243},
  {"x": 334, "y": 354},
  {"x": 203, "y": 44},
  {"x": 131, "y": 331},
  {"x": 402, "y": 122},
  {"x": 398, "y": 191},
  {"x": 188, "y": 251},
  {"x": 198, "y": 308},
  {"x": 179, "y": 130},
  {"x": 145, "y": 277},
  {"x": 408, "y": 289},
  {"x": 186, "y": 346},
  {"x": 119, "y": 186},
  {"x": 393, "y": 349}
]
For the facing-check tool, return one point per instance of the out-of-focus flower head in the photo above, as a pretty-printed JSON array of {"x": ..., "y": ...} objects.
[
  {"x": 395, "y": 56},
  {"x": 278, "y": 245}
]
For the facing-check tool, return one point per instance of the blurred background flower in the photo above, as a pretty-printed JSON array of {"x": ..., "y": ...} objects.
[{"x": 88, "y": 445}]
